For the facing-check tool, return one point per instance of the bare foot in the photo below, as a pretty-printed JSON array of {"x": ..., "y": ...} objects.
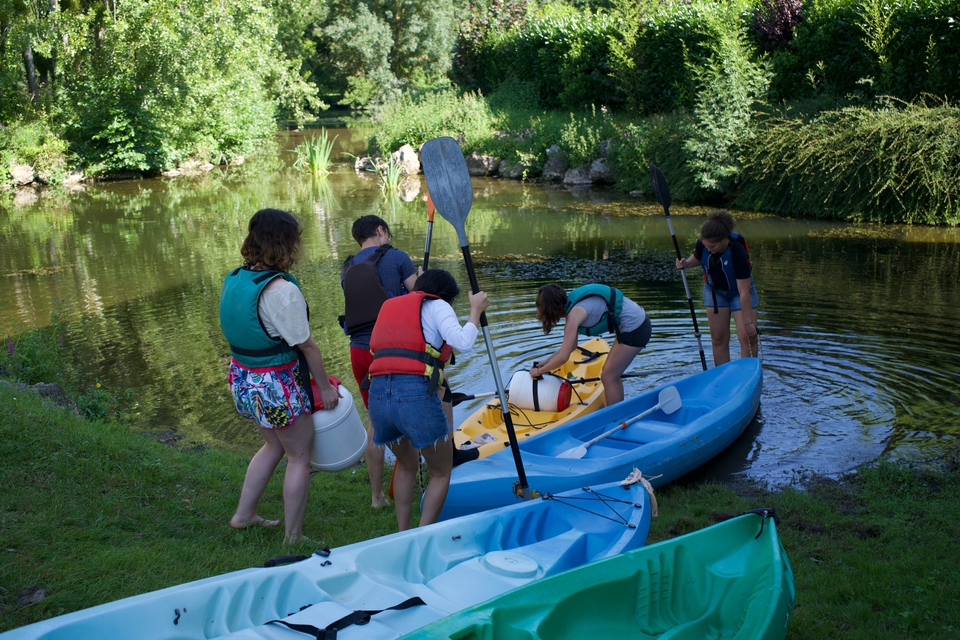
[
  {"x": 255, "y": 521},
  {"x": 380, "y": 502},
  {"x": 296, "y": 539}
]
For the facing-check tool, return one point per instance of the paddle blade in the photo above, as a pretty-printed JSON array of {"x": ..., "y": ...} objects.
[
  {"x": 448, "y": 182},
  {"x": 670, "y": 400},
  {"x": 576, "y": 453},
  {"x": 431, "y": 208},
  {"x": 660, "y": 190}
]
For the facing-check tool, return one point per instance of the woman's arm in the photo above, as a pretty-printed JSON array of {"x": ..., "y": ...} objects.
[
  {"x": 749, "y": 324},
  {"x": 460, "y": 338},
  {"x": 328, "y": 393},
  {"x": 687, "y": 263},
  {"x": 573, "y": 320}
]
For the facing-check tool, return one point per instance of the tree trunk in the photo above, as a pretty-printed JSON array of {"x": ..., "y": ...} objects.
[{"x": 31, "y": 71}]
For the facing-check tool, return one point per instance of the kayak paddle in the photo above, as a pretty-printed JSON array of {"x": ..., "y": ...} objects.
[
  {"x": 669, "y": 402},
  {"x": 430, "y": 211},
  {"x": 457, "y": 398},
  {"x": 662, "y": 193},
  {"x": 448, "y": 182}
]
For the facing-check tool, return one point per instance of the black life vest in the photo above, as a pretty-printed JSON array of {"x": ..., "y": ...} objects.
[{"x": 363, "y": 291}]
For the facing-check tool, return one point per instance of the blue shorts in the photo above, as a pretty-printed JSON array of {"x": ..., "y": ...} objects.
[
  {"x": 401, "y": 406},
  {"x": 729, "y": 299},
  {"x": 639, "y": 337}
]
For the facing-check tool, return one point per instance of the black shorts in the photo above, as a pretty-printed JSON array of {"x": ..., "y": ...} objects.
[{"x": 639, "y": 337}]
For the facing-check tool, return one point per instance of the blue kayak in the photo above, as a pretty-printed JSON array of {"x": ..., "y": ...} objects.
[
  {"x": 713, "y": 409},
  {"x": 398, "y": 582}
]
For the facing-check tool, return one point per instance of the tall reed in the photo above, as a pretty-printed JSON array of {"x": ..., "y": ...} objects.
[{"x": 314, "y": 155}]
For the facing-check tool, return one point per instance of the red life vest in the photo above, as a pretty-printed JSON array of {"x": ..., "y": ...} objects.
[{"x": 398, "y": 344}]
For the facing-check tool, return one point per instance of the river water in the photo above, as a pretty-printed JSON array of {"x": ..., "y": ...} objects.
[{"x": 861, "y": 348}]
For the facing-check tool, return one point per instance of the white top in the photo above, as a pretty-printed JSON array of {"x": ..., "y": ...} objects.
[
  {"x": 440, "y": 324},
  {"x": 284, "y": 311}
]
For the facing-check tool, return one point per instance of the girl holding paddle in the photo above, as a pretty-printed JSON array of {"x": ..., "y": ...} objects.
[
  {"x": 412, "y": 341},
  {"x": 591, "y": 310},
  {"x": 728, "y": 287}
]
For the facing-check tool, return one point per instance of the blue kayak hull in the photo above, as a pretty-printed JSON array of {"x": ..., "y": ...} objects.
[
  {"x": 449, "y": 565},
  {"x": 717, "y": 406}
]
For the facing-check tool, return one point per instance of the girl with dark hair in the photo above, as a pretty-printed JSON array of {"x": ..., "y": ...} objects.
[
  {"x": 728, "y": 287},
  {"x": 411, "y": 343},
  {"x": 263, "y": 315},
  {"x": 591, "y": 310}
]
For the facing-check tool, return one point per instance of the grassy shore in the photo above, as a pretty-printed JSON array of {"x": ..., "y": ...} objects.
[{"x": 93, "y": 512}]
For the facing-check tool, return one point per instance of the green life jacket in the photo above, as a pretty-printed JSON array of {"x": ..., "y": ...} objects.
[
  {"x": 250, "y": 344},
  {"x": 609, "y": 321}
]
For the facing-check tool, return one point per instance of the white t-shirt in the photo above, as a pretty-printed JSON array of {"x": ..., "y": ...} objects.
[
  {"x": 631, "y": 317},
  {"x": 440, "y": 324},
  {"x": 284, "y": 311}
]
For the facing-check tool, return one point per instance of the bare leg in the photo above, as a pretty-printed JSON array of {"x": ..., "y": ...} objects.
[
  {"x": 404, "y": 478},
  {"x": 439, "y": 463},
  {"x": 719, "y": 334},
  {"x": 375, "y": 470},
  {"x": 617, "y": 362},
  {"x": 297, "y": 441},
  {"x": 261, "y": 468}
]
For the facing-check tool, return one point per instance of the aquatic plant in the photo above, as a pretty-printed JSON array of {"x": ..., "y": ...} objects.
[{"x": 314, "y": 155}]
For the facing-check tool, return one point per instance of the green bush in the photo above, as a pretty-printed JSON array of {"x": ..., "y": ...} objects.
[
  {"x": 563, "y": 50},
  {"x": 899, "y": 163},
  {"x": 35, "y": 144},
  {"x": 414, "y": 118}
]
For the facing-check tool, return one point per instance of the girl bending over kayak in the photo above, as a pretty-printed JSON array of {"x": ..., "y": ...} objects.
[
  {"x": 412, "y": 341},
  {"x": 591, "y": 310}
]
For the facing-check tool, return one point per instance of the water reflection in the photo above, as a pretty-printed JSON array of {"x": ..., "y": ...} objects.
[{"x": 861, "y": 353}]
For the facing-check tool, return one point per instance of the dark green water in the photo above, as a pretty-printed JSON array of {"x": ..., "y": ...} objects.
[{"x": 860, "y": 341}]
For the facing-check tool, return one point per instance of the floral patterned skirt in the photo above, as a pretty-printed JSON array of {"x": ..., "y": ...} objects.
[{"x": 273, "y": 397}]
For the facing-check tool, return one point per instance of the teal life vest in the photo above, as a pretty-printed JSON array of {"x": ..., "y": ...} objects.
[
  {"x": 250, "y": 344},
  {"x": 609, "y": 321}
]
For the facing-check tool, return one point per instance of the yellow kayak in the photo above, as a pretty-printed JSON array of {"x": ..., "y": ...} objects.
[{"x": 484, "y": 429}]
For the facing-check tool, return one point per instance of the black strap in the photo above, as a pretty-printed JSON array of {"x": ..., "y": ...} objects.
[
  {"x": 536, "y": 395},
  {"x": 359, "y": 617},
  {"x": 280, "y": 347},
  {"x": 420, "y": 356}
]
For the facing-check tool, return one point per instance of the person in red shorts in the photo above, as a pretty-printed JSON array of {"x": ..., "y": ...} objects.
[{"x": 376, "y": 273}]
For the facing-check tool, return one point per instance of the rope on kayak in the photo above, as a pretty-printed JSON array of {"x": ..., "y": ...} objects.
[
  {"x": 597, "y": 497},
  {"x": 637, "y": 476}
]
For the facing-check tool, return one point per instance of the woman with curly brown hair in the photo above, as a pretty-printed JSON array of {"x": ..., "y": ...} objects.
[
  {"x": 591, "y": 310},
  {"x": 728, "y": 288},
  {"x": 264, "y": 317}
]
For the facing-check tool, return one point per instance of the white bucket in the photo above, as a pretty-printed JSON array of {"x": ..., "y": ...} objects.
[
  {"x": 553, "y": 393},
  {"x": 339, "y": 437}
]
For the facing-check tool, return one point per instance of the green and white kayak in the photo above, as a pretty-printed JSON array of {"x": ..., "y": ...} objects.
[{"x": 729, "y": 581}]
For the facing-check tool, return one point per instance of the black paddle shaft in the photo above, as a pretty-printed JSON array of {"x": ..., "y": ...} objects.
[
  {"x": 449, "y": 184},
  {"x": 662, "y": 193}
]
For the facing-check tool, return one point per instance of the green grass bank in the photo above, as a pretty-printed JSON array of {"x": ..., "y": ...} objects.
[{"x": 93, "y": 512}]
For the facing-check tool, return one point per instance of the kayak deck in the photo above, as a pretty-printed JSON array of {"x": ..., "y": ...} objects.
[
  {"x": 486, "y": 424},
  {"x": 731, "y": 580}
]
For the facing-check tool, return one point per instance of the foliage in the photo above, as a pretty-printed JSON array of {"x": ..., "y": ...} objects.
[
  {"x": 580, "y": 138},
  {"x": 143, "y": 86},
  {"x": 375, "y": 48},
  {"x": 314, "y": 155},
  {"x": 843, "y": 47},
  {"x": 33, "y": 143},
  {"x": 897, "y": 163},
  {"x": 730, "y": 85},
  {"x": 415, "y": 118},
  {"x": 775, "y": 20},
  {"x": 483, "y": 20},
  {"x": 560, "y": 48}
]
